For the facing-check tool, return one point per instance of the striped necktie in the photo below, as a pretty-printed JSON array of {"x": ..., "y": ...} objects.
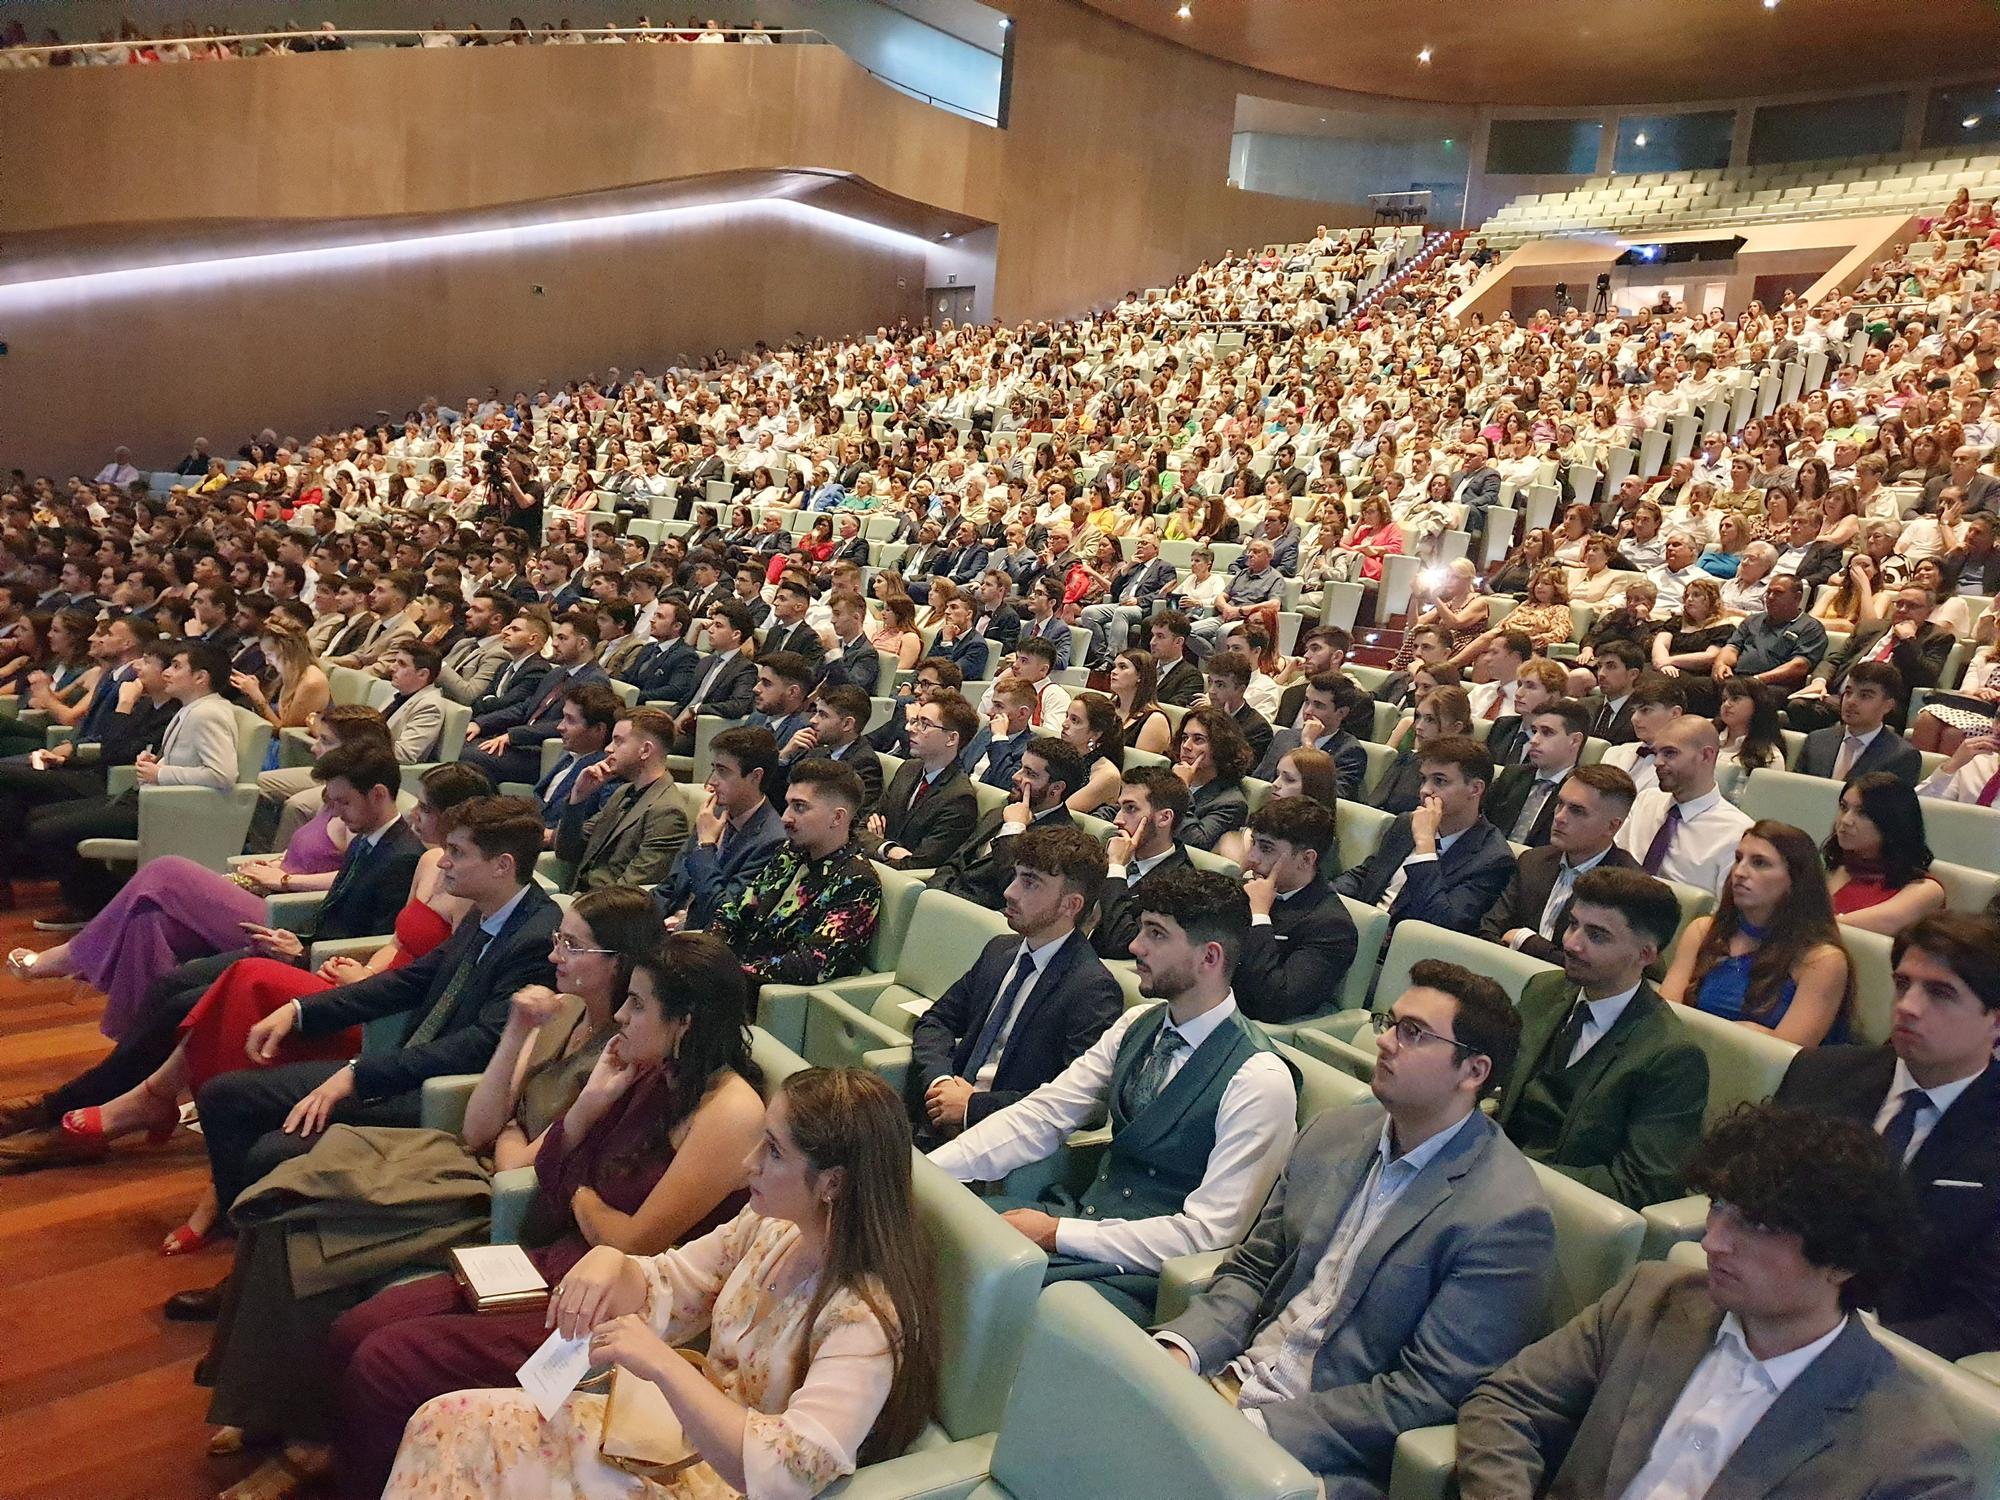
[{"x": 434, "y": 1019}]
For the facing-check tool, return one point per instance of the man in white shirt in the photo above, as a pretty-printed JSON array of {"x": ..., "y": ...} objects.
[
  {"x": 1971, "y": 774},
  {"x": 1397, "y": 1261},
  {"x": 1503, "y": 660},
  {"x": 1656, "y": 702},
  {"x": 1206, "y": 1108},
  {"x": 119, "y": 471},
  {"x": 1683, "y": 830},
  {"x": 1679, "y": 571},
  {"x": 1752, "y": 1377}
]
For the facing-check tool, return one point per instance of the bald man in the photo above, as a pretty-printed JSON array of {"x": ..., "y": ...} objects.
[{"x": 1683, "y": 829}]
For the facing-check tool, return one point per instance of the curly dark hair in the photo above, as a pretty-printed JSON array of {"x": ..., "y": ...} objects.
[
  {"x": 1226, "y": 745},
  {"x": 1829, "y": 1181}
]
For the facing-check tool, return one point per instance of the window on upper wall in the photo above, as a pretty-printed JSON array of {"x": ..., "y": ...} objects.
[
  {"x": 1826, "y": 129},
  {"x": 1544, "y": 147},
  {"x": 1967, "y": 115},
  {"x": 1673, "y": 143}
]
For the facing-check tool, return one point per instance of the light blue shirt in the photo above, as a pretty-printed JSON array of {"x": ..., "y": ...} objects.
[{"x": 491, "y": 925}]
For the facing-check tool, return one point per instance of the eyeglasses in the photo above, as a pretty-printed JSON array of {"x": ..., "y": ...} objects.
[
  {"x": 568, "y": 947},
  {"x": 1410, "y": 1034}
]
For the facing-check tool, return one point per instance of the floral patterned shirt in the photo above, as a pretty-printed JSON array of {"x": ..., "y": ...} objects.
[{"x": 803, "y": 920}]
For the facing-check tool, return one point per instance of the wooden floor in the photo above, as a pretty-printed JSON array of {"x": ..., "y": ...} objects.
[{"x": 97, "y": 1399}]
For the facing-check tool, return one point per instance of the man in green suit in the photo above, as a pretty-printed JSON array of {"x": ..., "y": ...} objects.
[{"x": 1609, "y": 1087}]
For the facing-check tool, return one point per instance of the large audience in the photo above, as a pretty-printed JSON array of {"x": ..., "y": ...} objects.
[{"x": 1044, "y": 616}]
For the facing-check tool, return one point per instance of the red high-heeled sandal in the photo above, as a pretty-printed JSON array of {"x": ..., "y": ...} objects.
[
  {"x": 85, "y": 1128},
  {"x": 186, "y": 1240}
]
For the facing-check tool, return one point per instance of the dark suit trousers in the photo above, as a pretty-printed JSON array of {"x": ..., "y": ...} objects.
[
  {"x": 1806, "y": 717},
  {"x": 513, "y": 764},
  {"x": 156, "y": 1031},
  {"x": 243, "y": 1118},
  {"x": 23, "y": 787},
  {"x": 52, "y": 836}
]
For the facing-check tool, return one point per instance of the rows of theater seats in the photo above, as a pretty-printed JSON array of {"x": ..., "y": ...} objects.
[{"x": 1722, "y": 198}]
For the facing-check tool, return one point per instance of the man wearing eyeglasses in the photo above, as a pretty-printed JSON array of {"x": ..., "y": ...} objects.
[{"x": 1318, "y": 1327}]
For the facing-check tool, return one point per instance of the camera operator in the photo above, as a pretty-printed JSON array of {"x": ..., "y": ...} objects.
[{"x": 512, "y": 489}]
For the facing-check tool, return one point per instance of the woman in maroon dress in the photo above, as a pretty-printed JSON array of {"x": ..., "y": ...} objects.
[{"x": 650, "y": 1154}]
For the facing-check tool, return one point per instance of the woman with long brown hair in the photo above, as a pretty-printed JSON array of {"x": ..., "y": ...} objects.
[
  {"x": 1770, "y": 955},
  {"x": 820, "y": 1307},
  {"x": 1135, "y": 685}
]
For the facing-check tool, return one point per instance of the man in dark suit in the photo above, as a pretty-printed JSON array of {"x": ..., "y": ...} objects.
[
  {"x": 1443, "y": 863},
  {"x": 853, "y": 659},
  {"x": 958, "y": 643},
  {"x": 589, "y": 715},
  {"x": 1026, "y": 1009},
  {"x": 663, "y": 671},
  {"x": 1522, "y": 801},
  {"x": 362, "y": 781},
  {"x": 637, "y": 831},
  {"x": 995, "y": 618},
  {"x": 1933, "y": 1095},
  {"x": 965, "y": 559},
  {"x": 995, "y": 752},
  {"x": 788, "y": 630},
  {"x": 928, "y": 811},
  {"x": 1476, "y": 486},
  {"x": 725, "y": 684},
  {"x": 1397, "y": 1261},
  {"x": 1330, "y": 699},
  {"x": 453, "y": 1002},
  {"x": 1302, "y": 941},
  {"x": 1048, "y": 770},
  {"x": 1532, "y": 916},
  {"x": 1180, "y": 681},
  {"x": 1973, "y": 569},
  {"x": 782, "y": 699},
  {"x": 518, "y": 682},
  {"x": 736, "y": 832},
  {"x": 1152, "y": 803},
  {"x": 1909, "y": 641},
  {"x": 1666, "y": 1386},
  {"x": 506, "y": 744},
  {"x": 833, "y": 732},
  {"x": 1322, "y": 649},
  {"x": 1863, "y": 741},
  {"x": 1617, "y": 668},
  {"x": 1228, "y": 674},
  {"x": 1609, "y": 1087}
]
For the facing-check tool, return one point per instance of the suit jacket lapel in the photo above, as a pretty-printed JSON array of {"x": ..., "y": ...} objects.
[
  {"x": 1426, "y": 1191},
  {"x": 1685, "y": 1332},
  {"x": 1051, "y": 979},
  {"x": 1803, "y": 1420},
  {"x": 1539, "y": 1025},
  {"x": 618, "y": 810}
]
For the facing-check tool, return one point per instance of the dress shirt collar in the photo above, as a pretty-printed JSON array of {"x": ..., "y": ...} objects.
[
  {"x": 1043, "y": 956},
  {"x": 491, "y": 925},
  {"x": 1416, "y": 1158},
  {"x": 1584, "y": 867},
  {"x": 370, "y": 840},
  {"x": 1861, "y": 741},
  {"x": 1694, "y": 807},
  {"x": 1604, "y": 1013},
  {"x": 1942, "y": 1097},
  {"x": 1140, "y": 868},
  {"x": 1779, "y": 1371},
  {"x": 1203, "y": 1026}
]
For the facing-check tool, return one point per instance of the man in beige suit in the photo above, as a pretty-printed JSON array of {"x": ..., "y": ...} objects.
[
  {"x": 1753, "y": 1380},
  {"x": 633, "y": 838},
  {"x": 397, "y": 608}
]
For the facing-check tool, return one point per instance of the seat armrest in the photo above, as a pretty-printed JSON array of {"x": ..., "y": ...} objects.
[
  {"x": 951, "y": 1472},
  {"x": 1667, "y": 1224},
  {"x": 1426, "y": 1464},
  {"x": 1182, "y": 1279},
  {"x": 890, "y": 1064},
  {"x": 120, "y": 779},
  {"x": 781, "y": 1010},
  {"x": 859, "y": 990},
  {"x": 513, "y": 1192},
  {"x": 1985, "y": 1366},
  {"x": 292, "y": 910},
  {"x": 445, "y": 1099}
]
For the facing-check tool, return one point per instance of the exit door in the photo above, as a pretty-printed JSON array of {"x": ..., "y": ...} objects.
[{"x": 953, "y": 302}]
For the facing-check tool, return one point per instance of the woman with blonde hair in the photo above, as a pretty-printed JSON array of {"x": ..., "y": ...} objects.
[
  {"x": 820, "y": 1307},
  {"x": 303, "y": 689}
]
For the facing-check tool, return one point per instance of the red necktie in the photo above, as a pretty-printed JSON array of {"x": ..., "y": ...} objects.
[{"x": 1991, "y": 790}]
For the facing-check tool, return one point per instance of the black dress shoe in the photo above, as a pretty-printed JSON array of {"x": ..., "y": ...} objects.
[
  {"x": 27, "y": 1112},
  {"x": 201, "y": 1306}
]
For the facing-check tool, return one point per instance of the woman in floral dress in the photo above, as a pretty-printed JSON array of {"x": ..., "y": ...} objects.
[{"x": 821, "y": 1315}]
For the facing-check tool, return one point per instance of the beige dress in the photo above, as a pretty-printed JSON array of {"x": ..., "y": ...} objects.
[{"x": 493, "y": 1445}]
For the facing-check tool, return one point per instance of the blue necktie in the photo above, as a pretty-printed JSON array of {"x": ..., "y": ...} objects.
[
  {"x": 1902, "y": 1126},
  {"x": 1003, "y": 1006},
  {"x": 101, "y": 701}
]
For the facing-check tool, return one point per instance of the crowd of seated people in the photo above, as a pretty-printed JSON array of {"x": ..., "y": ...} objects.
[
  {"x": 1114, "y": 756},
  {"x": 128, "y": 44}
]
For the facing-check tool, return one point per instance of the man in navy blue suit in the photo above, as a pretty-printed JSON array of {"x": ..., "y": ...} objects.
[
  {"x": 1444, "y": 863},
  {"x": 663, "y": 671},
  {"x": 589, "y": 714},
  {"x": 735, "y": 833},
  {"x": 1030, "y": 1005}
]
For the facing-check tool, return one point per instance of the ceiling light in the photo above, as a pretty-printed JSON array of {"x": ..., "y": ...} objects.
[
  {"x": 1184, "y": 13},
  {"x": 1424, "y": 56},
  {"x": 1639, "y": 139},
  {"x": 1970, "y": 122}
]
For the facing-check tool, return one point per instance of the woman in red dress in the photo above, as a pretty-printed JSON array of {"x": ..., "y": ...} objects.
[{"x": 215, "y": 1035}]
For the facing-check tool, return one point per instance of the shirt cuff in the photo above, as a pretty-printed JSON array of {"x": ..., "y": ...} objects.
[
  {"x": 1260, "y": 919},
  {"x": 1419, "y": 859},
  {"x": 1516, "y": 938},
  {"x": 1115, "y": 872},
  {"x": 1175, "y": 1341},
  {"x": 1255, "y": 1417}
]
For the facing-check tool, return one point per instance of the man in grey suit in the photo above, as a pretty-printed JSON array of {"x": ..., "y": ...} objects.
[
  {"x": 1755, "y": 1378},
  {"x": 473, "y": 662},
  {"x": 1397, "y": 1262},
  {"x": 1863, "y": 741},
  {"x": 633, "y": 837}
]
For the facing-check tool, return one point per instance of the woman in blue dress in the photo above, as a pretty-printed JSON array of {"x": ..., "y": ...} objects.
[{"x": 1770, "y": 955}]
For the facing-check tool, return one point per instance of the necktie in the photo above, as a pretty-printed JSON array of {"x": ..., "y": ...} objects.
[
  {"x": 1003, "y": 1007},
  {"x": 1493, "y": 708},
  {"x": 1571, "y": 1032},
  {"x": 440, "y": 1012},
  {"x": 1990, "y": 791},
  {"x": 1538, "y": 797},
  {"x": 923, "y": 786},
  {"x": 1850, "y": 751},
  {"x": 357, "y": 852},
  {"x": 557, "y": 681},
  {"x": 1656, "y": 852},
  {"x": 1149, "y": 1079},
  {"x": 1902, "y": 1126}
]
